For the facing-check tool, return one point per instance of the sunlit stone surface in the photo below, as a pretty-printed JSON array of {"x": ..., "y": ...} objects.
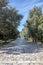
[{"x": 21, "y": 52}]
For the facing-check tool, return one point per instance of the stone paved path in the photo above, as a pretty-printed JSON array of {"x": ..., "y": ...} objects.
[{"x": 21, "y": 52}]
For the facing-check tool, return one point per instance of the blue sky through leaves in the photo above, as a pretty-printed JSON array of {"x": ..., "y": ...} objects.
[{"x": 24, "y": 6}]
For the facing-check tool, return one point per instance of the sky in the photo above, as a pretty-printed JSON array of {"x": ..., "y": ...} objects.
[{"x": 24, "y": 6}]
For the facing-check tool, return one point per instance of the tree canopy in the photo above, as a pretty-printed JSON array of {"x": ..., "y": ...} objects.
[
  {"x": 34, "y": 24},
  {"x": 9, "y": 20}
]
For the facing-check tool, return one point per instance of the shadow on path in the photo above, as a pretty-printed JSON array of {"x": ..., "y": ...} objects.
[{"x": 21, "y": 46}]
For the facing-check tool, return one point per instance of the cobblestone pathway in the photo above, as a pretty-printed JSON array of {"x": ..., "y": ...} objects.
[{"x": 21, "y": 52}]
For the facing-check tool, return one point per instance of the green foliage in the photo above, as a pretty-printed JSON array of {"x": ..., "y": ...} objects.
[
  {"x": 24, "y": 32},
  {"x": 3, "y": 3},
  {"x": 9, "y": 21},
  {"x": 35, "y": 23}
]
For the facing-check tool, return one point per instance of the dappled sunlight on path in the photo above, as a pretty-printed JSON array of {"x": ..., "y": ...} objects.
[{"x": 21, "y": 51}]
